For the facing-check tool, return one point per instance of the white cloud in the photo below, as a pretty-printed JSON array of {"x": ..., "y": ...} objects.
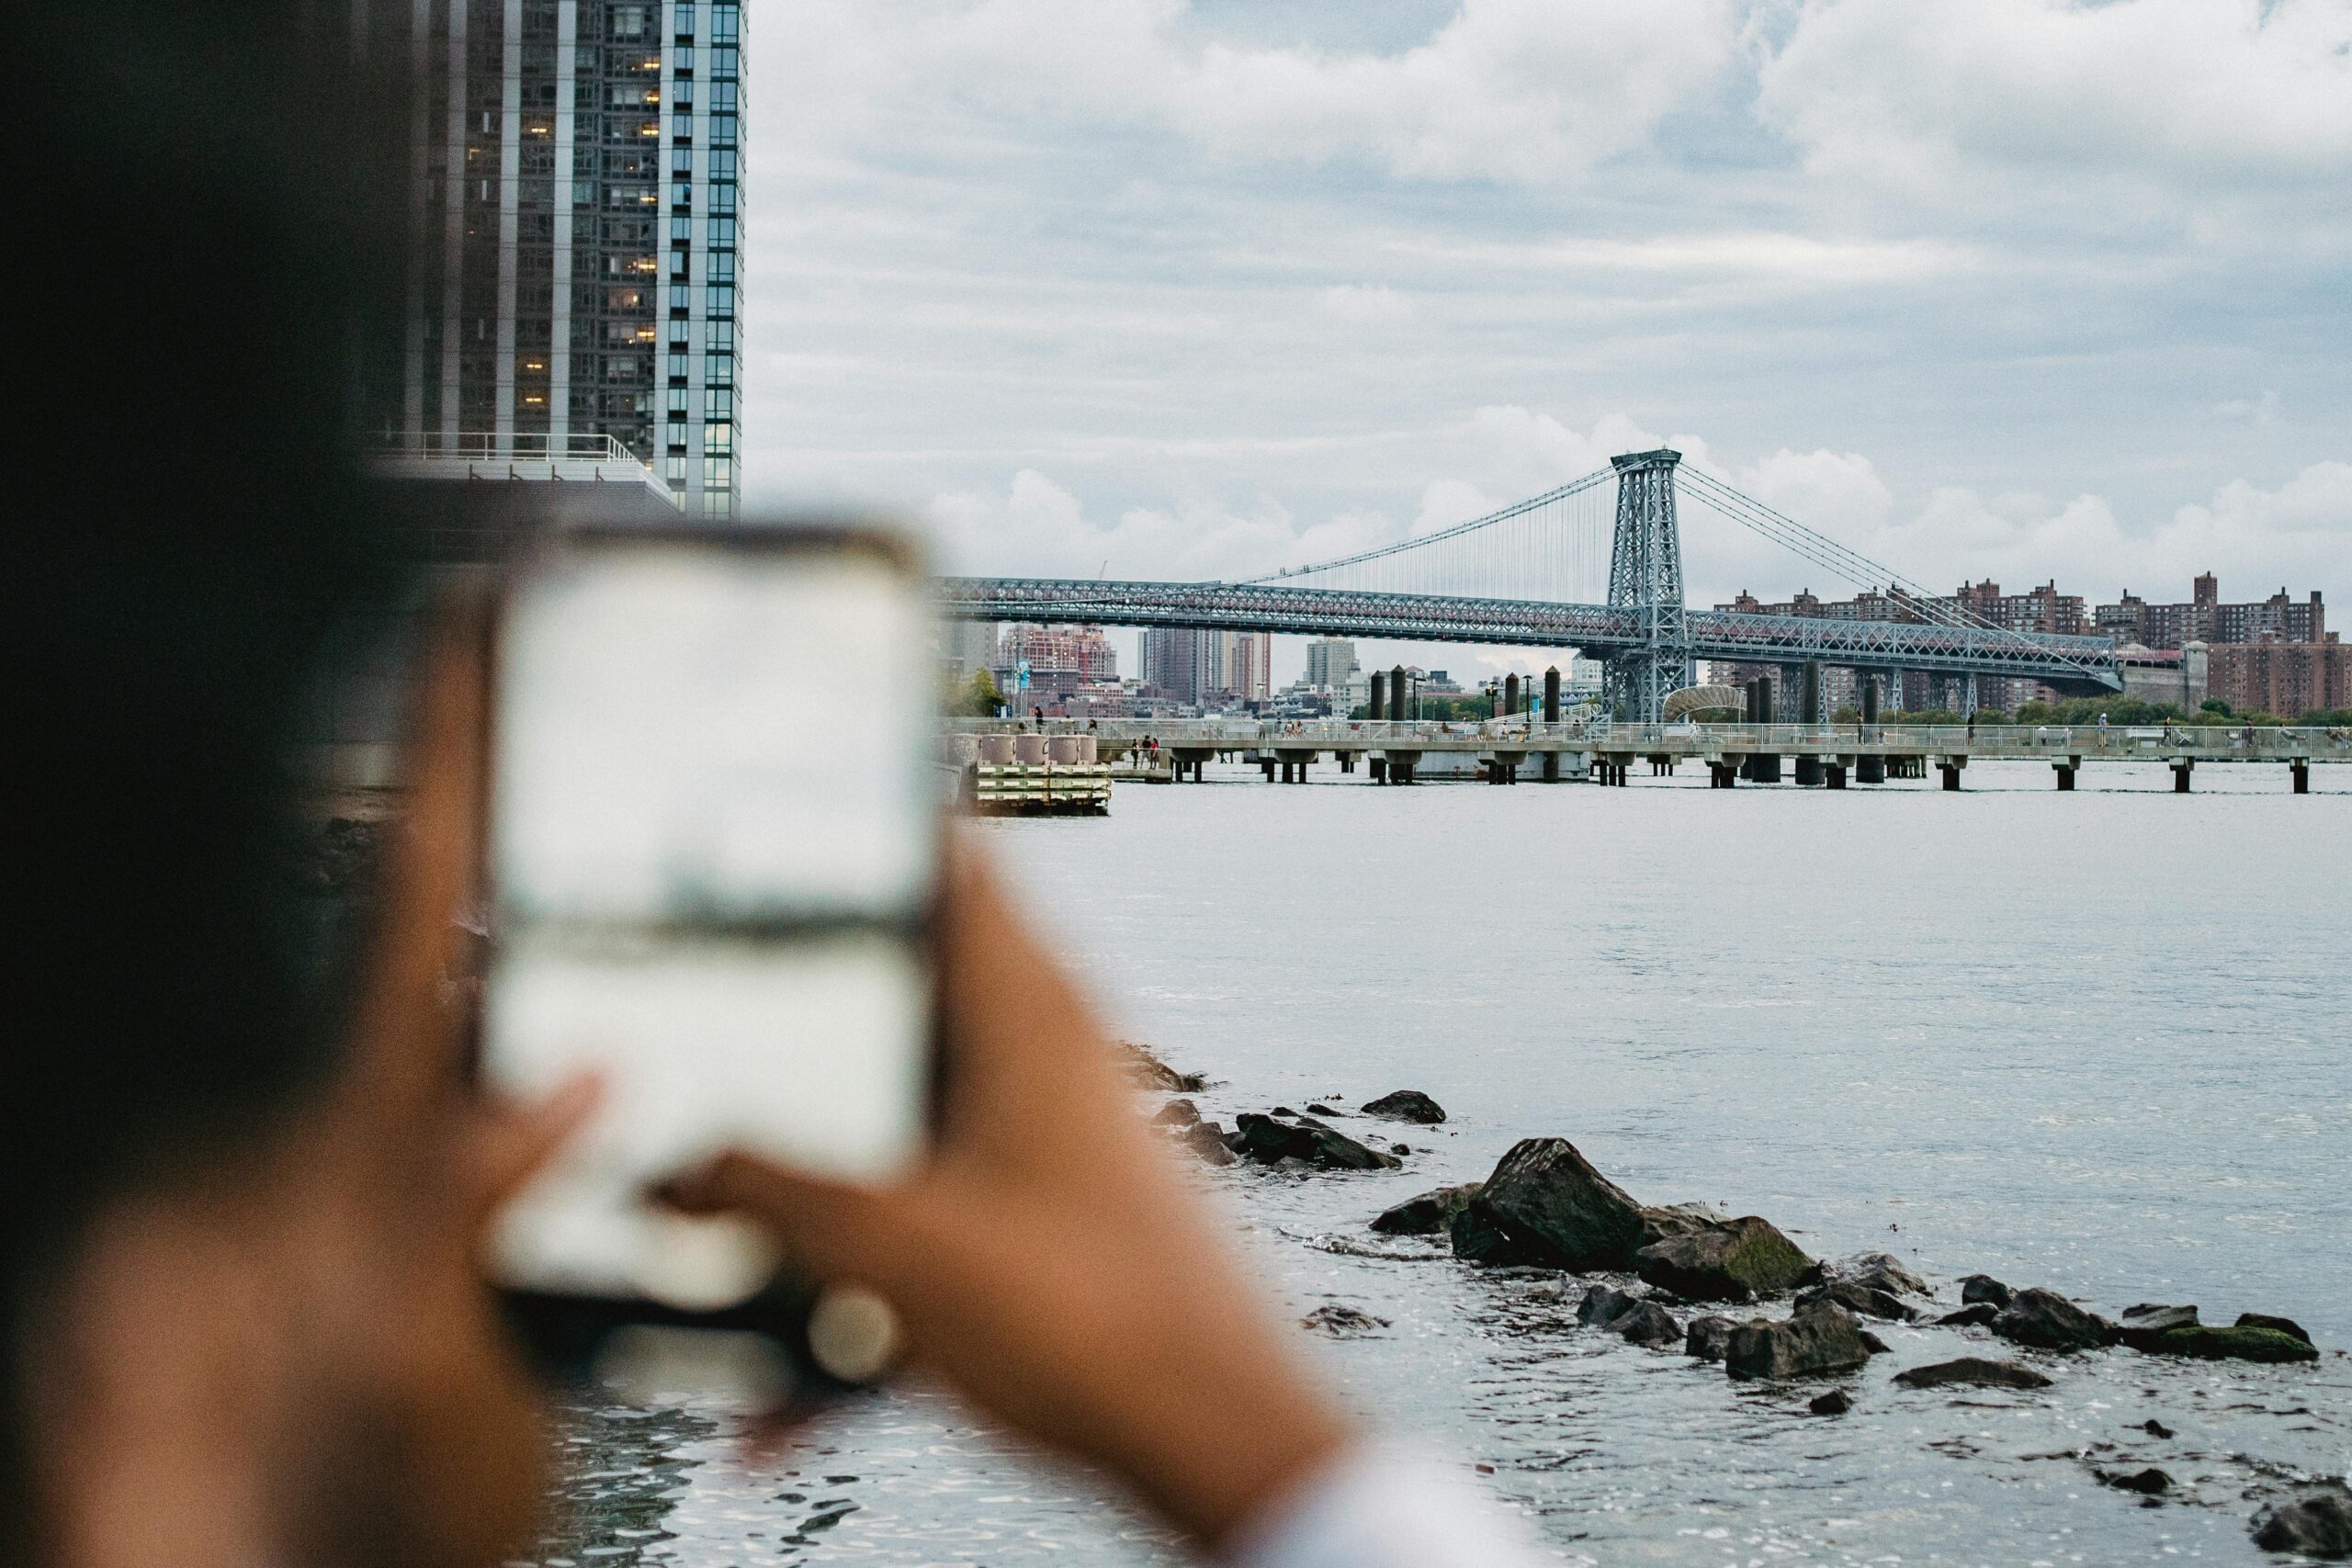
[
  {"x": 1363, "y": 305},
  {"x": 2261, "y": 410},
  {"x": 2199, "y": 103}
]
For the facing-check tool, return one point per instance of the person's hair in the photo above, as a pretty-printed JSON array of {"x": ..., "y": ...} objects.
[{"x": 185, "y": 539}]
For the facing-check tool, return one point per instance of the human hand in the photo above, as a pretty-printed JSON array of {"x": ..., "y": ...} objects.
[{"x": 1048, "y": 1260}]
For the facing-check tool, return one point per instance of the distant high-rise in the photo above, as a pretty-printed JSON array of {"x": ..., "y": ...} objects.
[
  {"x": 1205, "y": 667},
  {"x": 1329, "y": 661},
  {"x": 575, "y": 209}
]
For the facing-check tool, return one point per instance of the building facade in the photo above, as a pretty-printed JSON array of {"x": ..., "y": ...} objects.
[
  {"x": 1057, "y": 660},
  {"x": 576, "y": 216},
  {"x": 1329, "y": 661},
  {"x": 1207, "y": 668},
  {"x": 2204, "y": 618},
  {"x": 2277, "y": 676}
]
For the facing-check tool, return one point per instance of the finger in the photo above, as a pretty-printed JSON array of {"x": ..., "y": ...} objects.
[
  {"x": 408, "y": 1040},
  {"x": 836, "y": 1232},
  {"x": 518, "y": 1142}
]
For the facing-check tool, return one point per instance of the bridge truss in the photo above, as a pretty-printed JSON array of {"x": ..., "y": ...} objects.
[
  {"x": 1524, "y": 575},
  {"x": 1601, "y": 630}
]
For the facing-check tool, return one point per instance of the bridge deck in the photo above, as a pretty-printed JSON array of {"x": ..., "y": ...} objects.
[
  {"x": 2074, "y": 663},
  {"x": 1517, "y": 738}
]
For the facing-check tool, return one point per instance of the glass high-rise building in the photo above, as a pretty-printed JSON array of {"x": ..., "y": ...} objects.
[{"x": 575, "y": 216}]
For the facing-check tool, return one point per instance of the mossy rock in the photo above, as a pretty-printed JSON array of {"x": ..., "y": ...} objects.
[
  {"x": 2210, "y": 1342},
  {"x": 1739, "y": 1261}
]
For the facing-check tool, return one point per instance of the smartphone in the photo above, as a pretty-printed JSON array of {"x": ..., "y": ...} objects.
[{"x": 711, "y": 866}]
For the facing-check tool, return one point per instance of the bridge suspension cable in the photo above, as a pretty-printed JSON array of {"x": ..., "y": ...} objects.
[
  {"x": 1822, "y": 551},
  {"x": 1542, "y": 548}
]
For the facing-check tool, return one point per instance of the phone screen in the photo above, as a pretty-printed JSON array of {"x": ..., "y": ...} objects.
[{"x": 714, "y": 843}]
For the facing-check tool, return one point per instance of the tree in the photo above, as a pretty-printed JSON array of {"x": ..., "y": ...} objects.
[{"x": 979, "y": 697}]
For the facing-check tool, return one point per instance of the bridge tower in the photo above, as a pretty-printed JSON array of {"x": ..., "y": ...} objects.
[{"x": 1646, "y": 576}]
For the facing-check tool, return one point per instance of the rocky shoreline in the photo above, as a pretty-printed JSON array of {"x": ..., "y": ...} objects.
[{"x": 1545, "y": 1207}]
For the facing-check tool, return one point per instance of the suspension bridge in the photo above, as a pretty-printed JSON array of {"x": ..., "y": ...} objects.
[{"x": 1528, "y": 575}]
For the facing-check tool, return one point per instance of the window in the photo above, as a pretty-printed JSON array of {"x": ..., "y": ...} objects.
[
  {"x": 718, "y": 369},
  {"x": 726, "y": 23},
  {"x": 679, "y": 398},
  {"x": 679, "y": 261},
  {"x": 681, "y": 367},
  {"x": 722, "y": 164},
  {"x": 719, "y": 334},
  {"x": 722, "y": 197},
  {"x": 722, "y": 130},
  {"x": 681, "y": 194},
  {"x": 718, "y": 403},
  {"x": 677, "y": 435},
  {"x": 681, "y": 298},
  {"x": 681, "y": 163},
  {"x": 682, "y": 59},
  {"x": 628, "y": 21},
  {"x": 719, "y": 440},
  {"x": 681, "y": 335},
  {"x": 719, "y": 472},
  {"x": 722, "y": 265},
  {"x": 684, "y": 25},
  {"x": 683, "y": 95},
  {"x": 682, "y": 228},
  {"x": 723, "y": 233},
  {"x": 723, "y": 97},
  {"x": 719, "y": 300},
  {"x": 726, "y": 64},
  {"x": 674, "y": 468}
]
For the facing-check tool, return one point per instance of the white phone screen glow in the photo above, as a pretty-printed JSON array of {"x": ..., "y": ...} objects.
[{"x": 712, "y": 832}]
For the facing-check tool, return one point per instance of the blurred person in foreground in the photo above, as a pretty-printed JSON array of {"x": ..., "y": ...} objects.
[{"x": 246, "y": 1180}]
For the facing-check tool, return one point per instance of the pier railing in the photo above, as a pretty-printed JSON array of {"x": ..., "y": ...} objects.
[{"x": 2056, "y": 742}]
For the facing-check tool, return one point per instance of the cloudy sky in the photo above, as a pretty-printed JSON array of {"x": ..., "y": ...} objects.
[{"x": 2025, "y": 289}]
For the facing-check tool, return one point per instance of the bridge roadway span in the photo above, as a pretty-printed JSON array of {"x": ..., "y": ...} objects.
[
  {"x": 2083, "y": 665},
  {"x": 1824, "y": 754}
]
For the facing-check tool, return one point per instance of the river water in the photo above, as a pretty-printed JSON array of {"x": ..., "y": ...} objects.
[{"x": 2100, "y": 1042}]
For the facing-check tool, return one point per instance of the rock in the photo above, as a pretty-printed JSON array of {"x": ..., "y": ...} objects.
[
  {"x": 1822, "y": 1340},
  {"x": 1868, "y": 1301},
  {"x": 2148, "y": 1482},
  {"x": 1651, "y": 1325},
  {"x": 1177, "y": 1114},
  {"x": 2141, "y": 1325},
  {"x": 1399, "y": 1150},
  {"x": 1147, "y": 1069},
  {"x": 1985, "y": 1288},
  {"x": 1342, "y": 1322},
  {"x": 1206, "y": 1139},
  {"x": 1877, "y": 1347},
  {"x": 1603, "y": 1305},
  {"x": 1976, "y": 1315},
  {"x": 1284, "y": 1110},
  {"x": 1678, "y": 1219},
  {"x": 2155, "y": 1429},
  {"x": 2048, "y": 1321},
  {"x": 1545, "y": 1204},
  {"x": 1319, "y": 1109},
  {"x": 1836, "y": 1402},
  {"x": 2212, "y": 1342},
  {"x": 2316, "y": 1524},
  {"x": 1738, "y": 1260},
  {"x": 1708, "y": 1337},
  {"x": 1427, "y": 1214},
  {"x": 1406, "y": 1105},
  {"x": 2280, "y": 1325},
  {"x": 1878, "y": 1271},
  {"x": 1269, "y": 1142},
  {"x": 1972, "y": 1372},
  {"x": 1478, "y": 1238}
]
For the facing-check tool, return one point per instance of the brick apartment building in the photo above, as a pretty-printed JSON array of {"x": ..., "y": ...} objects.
[{"x": 2044, "y": 609}]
